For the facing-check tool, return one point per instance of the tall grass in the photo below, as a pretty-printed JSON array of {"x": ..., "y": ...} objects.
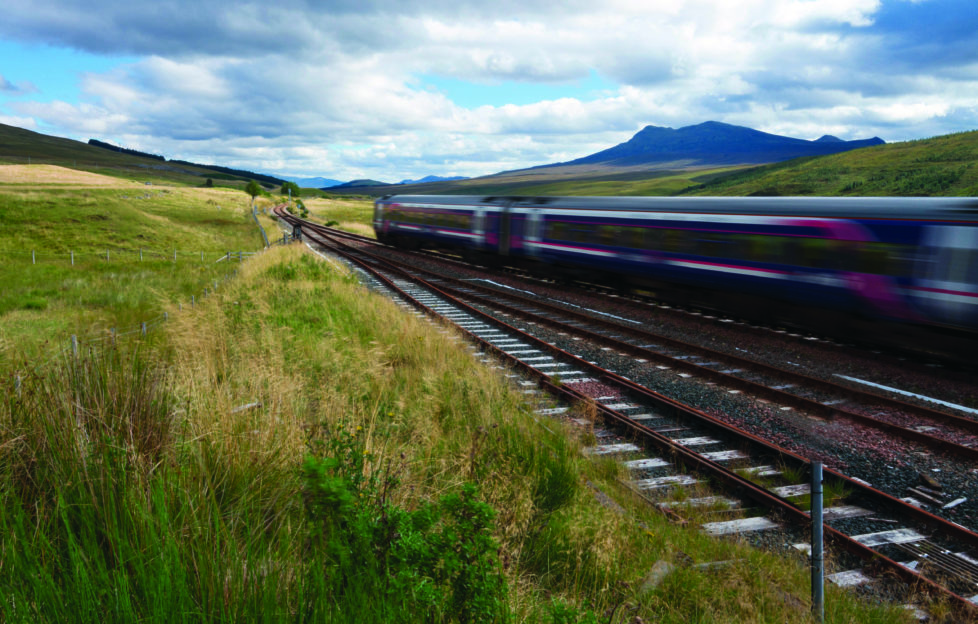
[{"x": 300, "y": 450}]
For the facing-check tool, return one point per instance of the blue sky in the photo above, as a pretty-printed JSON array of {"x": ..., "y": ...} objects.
[{"x": 391, "y": 90}]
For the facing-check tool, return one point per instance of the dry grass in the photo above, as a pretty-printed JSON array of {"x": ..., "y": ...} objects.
[{"x": 52, "y": 174}]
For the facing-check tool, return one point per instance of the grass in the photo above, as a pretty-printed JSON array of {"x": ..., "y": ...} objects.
[
  {"x": 70, "y": 257},
  {"x": 352, "y": 215},
  {"x": 939, "y": 166},
  {"x": 384, "y": 475}
]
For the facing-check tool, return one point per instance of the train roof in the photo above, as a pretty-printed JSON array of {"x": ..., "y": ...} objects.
[{"x": 927, "y": 208}]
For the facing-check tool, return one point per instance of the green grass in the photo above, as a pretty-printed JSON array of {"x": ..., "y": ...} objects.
[
  {"x": 384, "y": 476},
  {"x": 940, "y": 166},
  {"x": 23, "y": 147},
  {"x": 45, "y": 298}
]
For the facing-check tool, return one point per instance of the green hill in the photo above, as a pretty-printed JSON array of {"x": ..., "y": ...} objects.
[
  {"x": 21, "y": 147},
  {"x": 944, "y": 165}
]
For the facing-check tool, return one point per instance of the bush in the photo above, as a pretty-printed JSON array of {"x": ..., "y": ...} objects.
[{"x": 438, "y": 560}]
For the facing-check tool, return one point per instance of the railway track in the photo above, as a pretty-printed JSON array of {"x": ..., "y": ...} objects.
[
  {"x": 939, "y": 430},
  {"x": 666, "y": 445}
]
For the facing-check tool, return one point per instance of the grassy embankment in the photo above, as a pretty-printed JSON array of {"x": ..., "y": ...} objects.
[
  {"x": 385, "y": 476},
  {"x": 53, "y": 212}
]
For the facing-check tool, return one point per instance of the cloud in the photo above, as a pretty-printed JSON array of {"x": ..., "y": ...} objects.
[
  {"x": 21, "y": 88},
  {"x": 331, "y": 88}
]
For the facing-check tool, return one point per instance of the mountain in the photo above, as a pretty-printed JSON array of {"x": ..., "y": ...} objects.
[
  {"x": 433, "y": 178},
  {"x": 712, "y": 143},
  {"x": 314, "y": 182},
  {"x": 355, "y": 184}
]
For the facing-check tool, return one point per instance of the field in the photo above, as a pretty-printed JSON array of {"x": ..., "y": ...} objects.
[
  {"x": 296, "y": 448},
  {"x": 83, "y": 254}
]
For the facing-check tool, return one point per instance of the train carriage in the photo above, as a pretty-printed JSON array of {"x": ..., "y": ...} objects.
[{"x": 908, "y": 260}]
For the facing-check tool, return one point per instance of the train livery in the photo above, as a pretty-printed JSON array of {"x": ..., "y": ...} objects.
[{"x": 909, "y": 261}]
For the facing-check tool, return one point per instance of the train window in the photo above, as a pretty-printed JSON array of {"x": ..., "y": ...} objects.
[
  {"x": 671, "y": 241},
  {"x": 971, "y": 261},
  {"x": 712, "y": 244},
  {"x": 813, "y": 252},
  {"x": 788, "y": 250},
  {"x": 653, "y": 239},
  {"x": 577, "y": 234},
  {"x": 873, "y": 258},
  {"x": 608, "y": 235},
  {"x": 556, "y": 230},
  {"x": 636, "y": 237}
]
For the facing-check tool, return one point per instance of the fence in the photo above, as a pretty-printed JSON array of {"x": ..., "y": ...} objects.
[
  {"x": 129, "y": 255},
  {"x": 74, "y": 343}
]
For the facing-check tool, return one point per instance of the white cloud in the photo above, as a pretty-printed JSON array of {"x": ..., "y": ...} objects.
[{"x": 331, "y": 89}]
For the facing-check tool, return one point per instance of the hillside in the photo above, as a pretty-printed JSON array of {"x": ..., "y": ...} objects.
[
  {"x": 944, "y": 165},
  {"x": 21, "y": 147}
]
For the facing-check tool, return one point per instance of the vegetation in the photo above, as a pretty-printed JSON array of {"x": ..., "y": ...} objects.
[
  {"x": 253, "y": 189},
  {"x": 945, "y": 165},
  {"x": 107, "y": 255},
  {"x": 298, "y": 449},
  {"x": 291, "y": 189},
  {"x": 23, "y": 147}
]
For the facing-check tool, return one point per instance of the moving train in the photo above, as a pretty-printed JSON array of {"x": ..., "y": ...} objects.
[{"x": 844, "y": 264}]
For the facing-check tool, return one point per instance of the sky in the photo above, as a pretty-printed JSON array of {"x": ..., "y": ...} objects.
[{"x": 391, "y": 90}]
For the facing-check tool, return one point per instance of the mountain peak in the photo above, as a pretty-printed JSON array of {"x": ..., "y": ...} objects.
[{"x": 714, "y": 143}]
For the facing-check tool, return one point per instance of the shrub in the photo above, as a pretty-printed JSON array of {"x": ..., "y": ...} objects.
[{"x": 438, "y": 560}]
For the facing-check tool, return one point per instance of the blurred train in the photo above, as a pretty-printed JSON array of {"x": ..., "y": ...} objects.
[{"x": 842, "y": 265}]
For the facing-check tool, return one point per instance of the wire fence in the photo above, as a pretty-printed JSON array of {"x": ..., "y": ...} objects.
[
  {"x": 73, "y": 344},
  {"x": 125, "y": 255}
]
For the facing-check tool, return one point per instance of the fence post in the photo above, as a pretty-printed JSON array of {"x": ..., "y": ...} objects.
[
  {"x": 174, "y": 255},
  {"x": 72, "y": 258},
  {"x": 193, "y": 301},
  {"x": 142, "y": 327},
  {"x": 818, "y": 570},
  {"x": 166, "y": 316},
  {"x": 205, "y": 292},
  {"x": 17, "y": 385},
  {"x": 74, "y": 345},
  {"x": 106, "y": 255},
  {"x": 140, "y": 255},
  {"x": 33, "y": 257},
  {"x": 239, "y": 256}
]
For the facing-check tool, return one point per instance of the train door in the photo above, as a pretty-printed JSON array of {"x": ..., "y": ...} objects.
[
  {"x": 479, "y": 227},
  {"x": 533, "y": 231},
  {"x": 378, "y": 216},
  {"x": 947, "y": 272},
  {"x": 505, "y": 228}
]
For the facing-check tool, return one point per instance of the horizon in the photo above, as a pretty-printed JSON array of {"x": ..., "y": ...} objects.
[{"x": 467, "y": 90}]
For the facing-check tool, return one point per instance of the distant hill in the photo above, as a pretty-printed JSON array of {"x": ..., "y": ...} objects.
[
  {"x": 712, "y": 144},
  {"x": 944, "y": 165},
  {"x": 21, "y": 146},
  {"x": 356, "y": 184},
  {"x": 314, "y": 182},
  {"x": 433, "y": 178}
]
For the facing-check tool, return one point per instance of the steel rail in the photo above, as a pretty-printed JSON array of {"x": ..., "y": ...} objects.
[{"x": 811, "y": 406}]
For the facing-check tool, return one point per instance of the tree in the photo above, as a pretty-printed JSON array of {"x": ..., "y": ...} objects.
[
  {"x": 291, "y": 186},
  {"x": 209, "y": 183},
  {"x": 253, "y": 189}
]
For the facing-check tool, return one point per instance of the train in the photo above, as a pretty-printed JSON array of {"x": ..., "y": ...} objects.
[{"x": 902, "y": 266}]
